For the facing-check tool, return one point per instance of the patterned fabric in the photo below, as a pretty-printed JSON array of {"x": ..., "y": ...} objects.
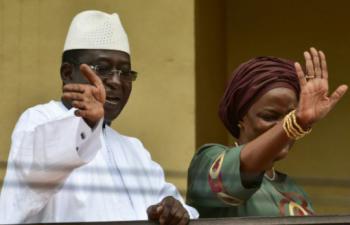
[
  {"x": 214, "y": 177},
  {"x": 216, "y": 185},
  {"x": 216, "y": 190},
  {"x": 295, "y": 204}
]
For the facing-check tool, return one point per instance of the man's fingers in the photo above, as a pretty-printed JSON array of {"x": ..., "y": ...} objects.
[
  {"x": 73, "y": 96},
  {"x": 90, "y": 75},
  {"x": 154, "y": 212},
  {"x": 175, "y": 209},
  {"x": 185, "y": 219},
  {"x": 79, "y": 105},
  {"x": 80, "y": 113},
  {"x": 338, "y": 94},
  {"x": 176, "y": 216},
  {"x": 95, "y": 81},
  {"x": 316, "y": 62},
  {"x": 171, "y": 212},
  {"x": 80, "y": 88},
  {"x": 300, "y": 73},
  {"x": 165, "y": 217}
]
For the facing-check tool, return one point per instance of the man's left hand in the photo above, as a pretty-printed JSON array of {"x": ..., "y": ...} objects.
[{"x": 168, "y": 212}]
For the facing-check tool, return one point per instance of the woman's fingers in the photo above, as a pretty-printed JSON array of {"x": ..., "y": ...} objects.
[
  {"x": 309, "y": 65},
  {"x": 300, "y": 73},
  {"x": 323, "y": 65},
  {"x": 337, "y": 95},
  {"x": 314, "y": 94},
  {"x": 316, "y": 62}
]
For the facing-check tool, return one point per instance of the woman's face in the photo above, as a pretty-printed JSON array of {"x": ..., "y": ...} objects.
[{"x": 265, "y": 113}]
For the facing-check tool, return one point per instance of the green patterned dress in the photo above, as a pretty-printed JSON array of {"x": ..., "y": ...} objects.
[{"x": 216, "y": 190}]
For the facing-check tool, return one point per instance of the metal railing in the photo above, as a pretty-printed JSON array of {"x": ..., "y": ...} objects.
[{"x": 290, "y": 220}]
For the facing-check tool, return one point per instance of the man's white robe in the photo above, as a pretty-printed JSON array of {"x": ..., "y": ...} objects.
[{"x": 61, "y": 170}]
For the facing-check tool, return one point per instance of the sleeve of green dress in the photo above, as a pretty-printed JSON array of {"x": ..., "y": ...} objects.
[{"x": 214, "y": 178}]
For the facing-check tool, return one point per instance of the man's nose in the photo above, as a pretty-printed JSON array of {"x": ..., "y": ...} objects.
[{"x": 114, "y": 79}]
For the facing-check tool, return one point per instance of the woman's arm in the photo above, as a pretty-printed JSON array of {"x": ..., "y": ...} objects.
[{"x": 314, "y": 104}]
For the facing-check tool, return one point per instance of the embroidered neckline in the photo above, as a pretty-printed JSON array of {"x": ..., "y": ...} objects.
[{"x": 273, "y": 178}]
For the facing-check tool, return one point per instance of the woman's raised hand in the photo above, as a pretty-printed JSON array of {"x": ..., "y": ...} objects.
[{"x": 315, "y": 102}]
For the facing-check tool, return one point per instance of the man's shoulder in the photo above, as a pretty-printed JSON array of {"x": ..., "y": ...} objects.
[
  {"x": 51, "y": 108},
  {"x": 125, "y": 138},
  {"x": 40, "y": 113},
  {"x": 117, "y": 133},
  {"x": 132, "y": 145}
]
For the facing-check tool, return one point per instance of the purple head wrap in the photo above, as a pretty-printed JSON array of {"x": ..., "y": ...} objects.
[{"x": 250, "y": 81}]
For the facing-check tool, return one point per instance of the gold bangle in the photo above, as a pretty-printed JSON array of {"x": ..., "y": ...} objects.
[
  {"x": 295, "y": 123},
  {"x": 285, "y": 128},
  {"x": 292, "y": 128}
]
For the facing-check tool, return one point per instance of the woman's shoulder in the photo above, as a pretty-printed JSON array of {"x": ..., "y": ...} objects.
[
  {"x": 211, "y": 149},
  {"x": 212, "y": 146}
]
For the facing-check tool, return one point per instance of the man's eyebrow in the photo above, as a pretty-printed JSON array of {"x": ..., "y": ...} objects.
[{"x": 108, "y": 59}]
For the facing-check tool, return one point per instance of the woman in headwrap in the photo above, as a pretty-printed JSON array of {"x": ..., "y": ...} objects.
[{"x": 268, "y": 104}]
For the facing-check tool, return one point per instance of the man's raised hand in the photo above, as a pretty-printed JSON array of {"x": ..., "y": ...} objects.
[{"x": 87, "y": 98}]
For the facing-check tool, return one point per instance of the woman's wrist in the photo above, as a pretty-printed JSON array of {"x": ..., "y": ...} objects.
[
  {"x": 294, "y": 129},
  {"x": 304, "y": 123}
]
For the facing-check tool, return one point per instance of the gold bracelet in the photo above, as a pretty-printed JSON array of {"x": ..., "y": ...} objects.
[
  {"x": 292, "y": 128},
  {"x": 286, "y": 129},
  {"x": 295, "y": 123}
]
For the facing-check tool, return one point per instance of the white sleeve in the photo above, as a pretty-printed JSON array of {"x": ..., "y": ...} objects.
[
  {"x": 43, "y": 154},
  {"x": 168, "y": 189},
  {"x": 160, "y": 187}
]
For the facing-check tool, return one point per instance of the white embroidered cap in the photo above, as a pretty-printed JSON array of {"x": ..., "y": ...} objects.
[{"x": 97, "y": 30}]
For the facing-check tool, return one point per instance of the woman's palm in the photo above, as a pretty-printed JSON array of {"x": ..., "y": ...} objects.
[{"x": 315, "y": 103}]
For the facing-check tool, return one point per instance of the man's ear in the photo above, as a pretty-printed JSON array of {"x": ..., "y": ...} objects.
[{"x": 67, "y": 72}]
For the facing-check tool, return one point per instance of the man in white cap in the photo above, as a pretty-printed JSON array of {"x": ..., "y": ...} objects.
[{"x": 66, "y": 163}]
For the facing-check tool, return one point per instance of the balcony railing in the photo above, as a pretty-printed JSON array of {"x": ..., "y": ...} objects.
[{"x": 307, "y": 220}]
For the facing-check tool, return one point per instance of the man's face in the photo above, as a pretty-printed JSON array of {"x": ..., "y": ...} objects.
[{"x": 117, "y": 90}]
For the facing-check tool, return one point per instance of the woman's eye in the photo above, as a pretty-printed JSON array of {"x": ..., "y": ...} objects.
[{"x": 270, "y": 118}]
